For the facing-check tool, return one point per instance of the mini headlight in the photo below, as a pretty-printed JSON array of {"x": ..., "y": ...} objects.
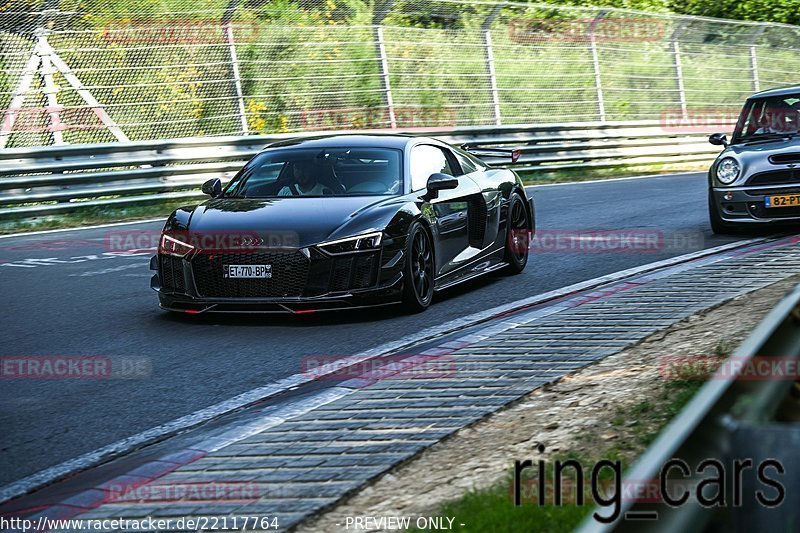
[
  {"x": 361, "y": 243},
  {"x": 173, "y": 246},
  {"x": 728, "y": 170}
]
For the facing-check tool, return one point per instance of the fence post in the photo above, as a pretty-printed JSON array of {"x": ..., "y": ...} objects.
[
  {"x": 754, "y": 58},
  {"x": 44, "y": 49},
  {"x": 754, "y": 68},
  {"x": 676, "y": 51},
  {"x": 678, "y": 64},
  {"x": 598, "y": 82},
  {"x": 51, "y": 90},
  {"x": 237, "y": 79},
  {"x": 490, "y": 70},
  {"x": 18, "y": 97},
  {"x": 487, "y": 42},
  {"x": 383, "y": 66}
]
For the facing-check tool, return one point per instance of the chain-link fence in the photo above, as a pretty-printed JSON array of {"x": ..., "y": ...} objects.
[{"x": 80, "y": 71}]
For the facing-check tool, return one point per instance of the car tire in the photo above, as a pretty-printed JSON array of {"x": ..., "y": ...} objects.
[
  {"x": 516, "y": 247},
  {"x": 718, "y": 226},
  {"x": 418, "y": 270}
]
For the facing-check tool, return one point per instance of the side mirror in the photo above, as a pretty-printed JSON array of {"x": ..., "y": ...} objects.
[
  {"x": 212, "y": 187},
  {"x": 440, "y": 182},
  {"x": 718, "y": 139}
]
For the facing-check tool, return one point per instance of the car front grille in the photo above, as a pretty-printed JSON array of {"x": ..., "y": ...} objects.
[
  {"x": 759, "y": 211},
  {"x": 172, "y": 273},
  {"x": 289, "y": 275},
  {"x": 782, "y": 159},
  {"x": 775, "y": 177},
  {"x": 357, "y": 271},
  {"x": 342, "y": 273}
]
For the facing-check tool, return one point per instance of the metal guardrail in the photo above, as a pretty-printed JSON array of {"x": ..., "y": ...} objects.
[
  {"x": 56, "y": 179},
  {"x": 731, "y": 418}
]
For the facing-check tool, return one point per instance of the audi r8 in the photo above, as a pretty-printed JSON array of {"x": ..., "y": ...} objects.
[{"x": 344, "y": 221}]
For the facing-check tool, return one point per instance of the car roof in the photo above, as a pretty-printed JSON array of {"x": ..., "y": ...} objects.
[
  {"x": 348, "y": 140},
  {"x": 780, "y": 91}
]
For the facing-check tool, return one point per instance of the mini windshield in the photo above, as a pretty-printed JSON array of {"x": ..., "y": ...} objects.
[
  {"x": 315, "y": 172},
  {"x": 767, "y": 118}
]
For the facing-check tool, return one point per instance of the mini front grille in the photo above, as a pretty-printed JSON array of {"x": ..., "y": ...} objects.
[
  {"x": 289, "y": 275},
  {"x": 172, "y": 273},
  {"x": 783, "y": 159},
  {"x": 759, "y": 211},
  {"x": 766, "y": 192},
  {"x": 775, "y": 177}
]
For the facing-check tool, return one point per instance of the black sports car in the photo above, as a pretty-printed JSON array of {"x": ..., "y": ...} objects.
[{"x": 344, "y": 221}]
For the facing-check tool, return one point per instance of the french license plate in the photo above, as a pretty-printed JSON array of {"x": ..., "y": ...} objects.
[
  {"x": 247, "y": 271},
  {"x": 782, "y": 200}
]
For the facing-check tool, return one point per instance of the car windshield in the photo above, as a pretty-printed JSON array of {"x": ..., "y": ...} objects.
[
  {"x": 767, "y": 118},
  {"x": 314, "y": 172}
]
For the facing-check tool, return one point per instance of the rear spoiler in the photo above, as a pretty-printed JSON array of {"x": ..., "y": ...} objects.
[{"x": 492, "y": 152}]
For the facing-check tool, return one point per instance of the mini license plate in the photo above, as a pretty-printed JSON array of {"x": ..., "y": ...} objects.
[
  {"x": 782, "y": 200},
  {"x": 247, "y": 271}
]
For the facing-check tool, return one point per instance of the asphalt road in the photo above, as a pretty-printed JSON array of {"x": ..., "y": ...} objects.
[{"x": 85, "y": 301}]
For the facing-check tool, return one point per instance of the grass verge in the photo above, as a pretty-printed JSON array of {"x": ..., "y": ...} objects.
[
  {"x": 92, "y": 215},
  {"x": 540, "y": 177}
]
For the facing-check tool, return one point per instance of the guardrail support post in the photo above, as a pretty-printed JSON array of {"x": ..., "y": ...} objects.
[
  {"x": 383, "y": 66},
  {"x": 487, "y": 42},
  {"x": 598, "y": 81}
]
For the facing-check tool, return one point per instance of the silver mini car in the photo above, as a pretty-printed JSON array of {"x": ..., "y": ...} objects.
[{"x": 756, "y": 178}]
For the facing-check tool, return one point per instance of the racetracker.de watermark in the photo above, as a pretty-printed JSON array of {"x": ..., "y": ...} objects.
[
  {"x": 698, "y": 120},
  {"x": 200, "y": 242},
  {"x": 425, "y": 116},
  {"x": 758, "y": 368},
  {"x": 133, "y": 31},
  {"x": 377, "y": 368},
  {"x": 635, "y": 240},
  {"x": 195, "y": 492},
  {"x": 74, "y": 367},
  {"x": 531, "y": 30},
  {"x": 542, "y": 492}
]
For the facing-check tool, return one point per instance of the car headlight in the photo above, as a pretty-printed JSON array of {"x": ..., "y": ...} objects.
[
  {"x": 728, "y": 170},
  {"x": 360, "y": 243},
  {"x": 172, "y": 246}
]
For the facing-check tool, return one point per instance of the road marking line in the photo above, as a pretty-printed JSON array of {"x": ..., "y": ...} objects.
[{"x": 110, "y": 270}]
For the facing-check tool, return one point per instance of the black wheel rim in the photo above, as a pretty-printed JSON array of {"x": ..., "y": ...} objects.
[
  {"x": 519, "y": 232},
  {"x": 422, "y": 266}
]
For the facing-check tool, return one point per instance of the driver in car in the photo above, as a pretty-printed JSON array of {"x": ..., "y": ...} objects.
[
  {"x": 779, "y": 118},
  {"x": 305, "y": 184}
]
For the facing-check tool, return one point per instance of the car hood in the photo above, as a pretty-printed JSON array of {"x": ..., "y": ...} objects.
[
  {"x": 762, "y": 149},
  {"x": 294, "y": 221}
]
